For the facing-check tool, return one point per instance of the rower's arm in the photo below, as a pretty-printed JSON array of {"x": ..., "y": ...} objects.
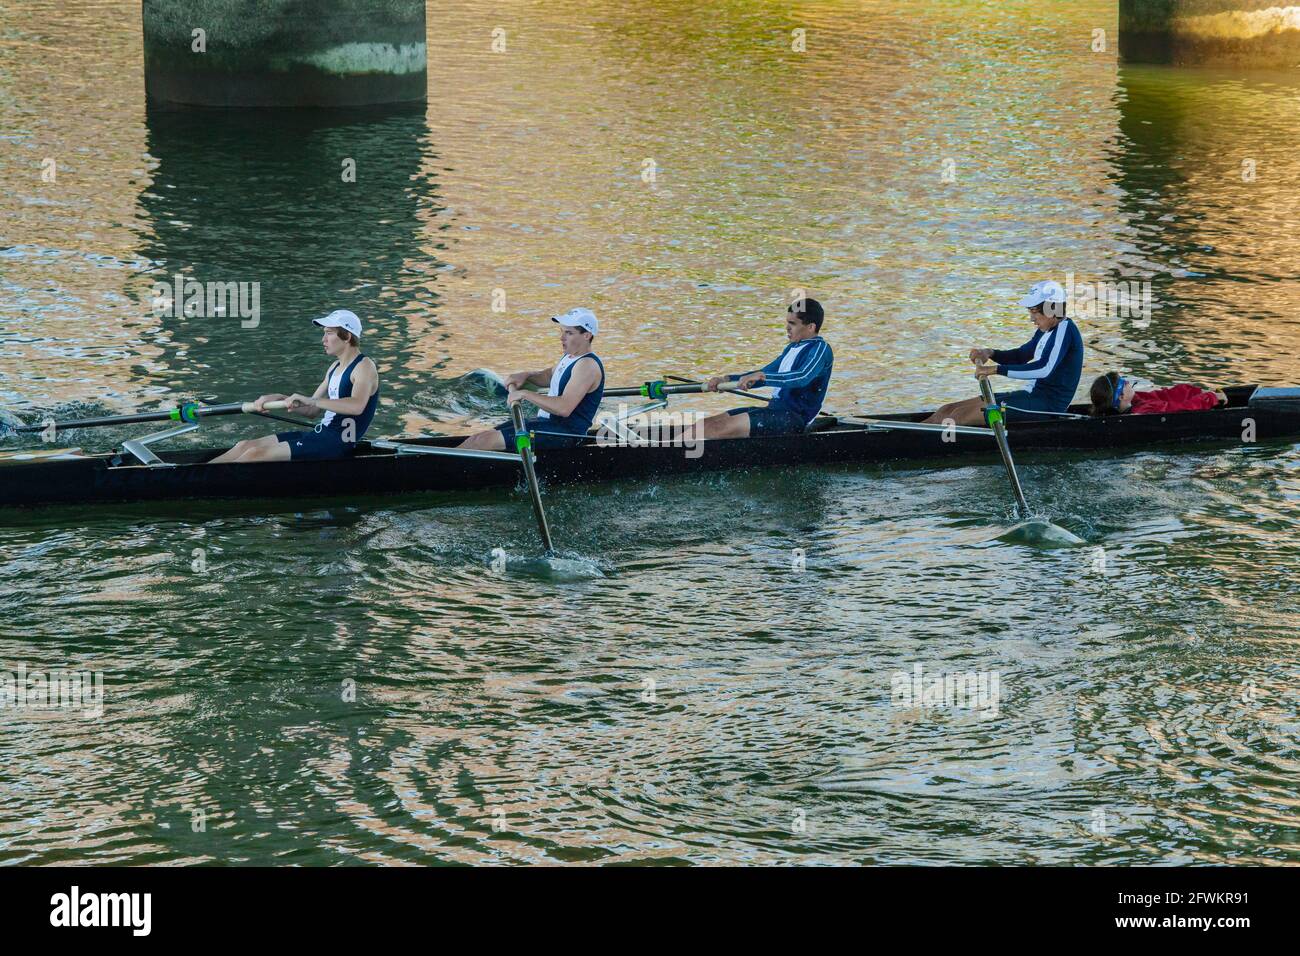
[
  {"x": 583, "y": 379},
  {"x": 308, "y": 406},
  {"x": 1016, "y": 356},
  {"x": 767, "y": 369},
  {"x": 305, "y": 407},
  {"x": 365, "y": 382},
  {"x": 817, "y": 362},
  {"x": 802, "y": 377},
  {"x": 540, "y": 377},
  {"x": 1029, "y": 367},
  {"x": 260, "y": 403}
]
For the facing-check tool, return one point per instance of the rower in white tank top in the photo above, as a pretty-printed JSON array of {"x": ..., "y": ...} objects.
[
  {"x": 557, "y": 380},
  {"x": 335, "y": 379}
]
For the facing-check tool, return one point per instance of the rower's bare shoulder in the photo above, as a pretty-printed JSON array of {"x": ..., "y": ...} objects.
[
  {"x": 369, "y": 371},
  {"x": 367, "y": 367}
]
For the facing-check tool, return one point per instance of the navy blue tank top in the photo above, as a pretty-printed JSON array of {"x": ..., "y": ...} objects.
[
  {"x": 579, "y": 420},
  {"x": 341, "y": 387}
]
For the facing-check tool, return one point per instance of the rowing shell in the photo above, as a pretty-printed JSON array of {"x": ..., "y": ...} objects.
[{"x": 391, "y": 468}]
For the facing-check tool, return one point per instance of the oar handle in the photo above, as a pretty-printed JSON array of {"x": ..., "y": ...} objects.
[
  {"x": 986, "y": 390},
  {"x": 660, "y": 390},
  {"x": 250, "y": 408}
]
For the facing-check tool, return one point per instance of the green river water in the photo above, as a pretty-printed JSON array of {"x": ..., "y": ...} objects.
[{"x": 351, "y": 682}]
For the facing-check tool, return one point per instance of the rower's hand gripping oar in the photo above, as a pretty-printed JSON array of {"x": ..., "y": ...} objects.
[
  {"x": 1034, "y": 529},
  {"x": 524, "y": 445}
]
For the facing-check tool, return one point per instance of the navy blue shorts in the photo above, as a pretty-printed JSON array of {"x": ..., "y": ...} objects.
[
  {"x": 1014, "y": 402},
  {"x": 324, "y": 445},
  {"x": 542, "y": 439},
  {"x": 771, "y": 421}
]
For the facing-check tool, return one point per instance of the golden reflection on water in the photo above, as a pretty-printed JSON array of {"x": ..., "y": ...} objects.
[
  {"x": 773, "y": 170},
  {"x": 70, "y": 90}
]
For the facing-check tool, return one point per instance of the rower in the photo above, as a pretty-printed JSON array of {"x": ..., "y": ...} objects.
[
  {"x": 1051, "y": 362},
  {"x": 800, "y": 376},
  {"x": 348, "y": 396},
  {"x": 575, "y": 388}
]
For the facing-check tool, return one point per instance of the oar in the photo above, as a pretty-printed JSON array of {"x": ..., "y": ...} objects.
[
  {"x": 1033, "y": 528},
  {"x": 659, "y": 390},
  {"x": 189, "y": 412},
  {"x": 724, "y": 387},
  {"x": 524, "y": 445},
  {"x": 300, "y": 422},
  {"x": 993, "y": 415}
]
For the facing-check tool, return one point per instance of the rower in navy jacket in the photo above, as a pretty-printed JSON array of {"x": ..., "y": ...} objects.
[
  {"x": 576, "y": 387},
  {"x": 1051, "y": 362},
  {"x": 348, "y": 396},
  {"x": 800, "y": 376}
]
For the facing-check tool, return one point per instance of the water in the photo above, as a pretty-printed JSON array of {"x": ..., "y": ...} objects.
[{"x": 353, "y": 682}]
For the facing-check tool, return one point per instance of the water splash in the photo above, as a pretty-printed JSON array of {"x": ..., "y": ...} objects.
[
  {"x": 1043, "y": 533},
  {"x": 554, "y": 568}
]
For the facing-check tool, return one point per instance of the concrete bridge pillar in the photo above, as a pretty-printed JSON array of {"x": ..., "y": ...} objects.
[
  {"x": 284, "y": 52},
  {"x": 1230, "y": 33}
]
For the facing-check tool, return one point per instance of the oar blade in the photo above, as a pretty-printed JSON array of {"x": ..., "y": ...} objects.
[
  {"x": 1042, "y": 533},
  {"x": 553, "y": 568},
  {"x": 1031, "y": 530}
]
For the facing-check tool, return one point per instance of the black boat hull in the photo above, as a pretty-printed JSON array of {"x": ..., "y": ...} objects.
[{"x": 379, "y": 472}]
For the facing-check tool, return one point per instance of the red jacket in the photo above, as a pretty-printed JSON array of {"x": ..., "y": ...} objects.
[{"x": 1176, "y": 398}]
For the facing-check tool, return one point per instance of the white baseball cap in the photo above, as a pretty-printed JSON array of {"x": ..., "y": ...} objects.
[
  {"x": 578, "y": 319},
  {"x": 340, "y": 319},
  {"x": 1040, "y": 292}
]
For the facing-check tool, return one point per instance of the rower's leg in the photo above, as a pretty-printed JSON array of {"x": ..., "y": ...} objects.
[
  {"x": 942, "y": 412},
  {"x": 490, "y": 440},
  {"x": 231, "y": 454},
  {"x": 240, "y": 449},
  {"x": 967, "y": 412},
  {"x": 269, "y": 448},
  {"x": 719, "y": 426}
]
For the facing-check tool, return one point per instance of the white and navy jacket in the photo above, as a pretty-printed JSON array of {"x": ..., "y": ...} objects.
[
  {"x": 799, "y": 376},
  {"x": 1051, "y": 362}
]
